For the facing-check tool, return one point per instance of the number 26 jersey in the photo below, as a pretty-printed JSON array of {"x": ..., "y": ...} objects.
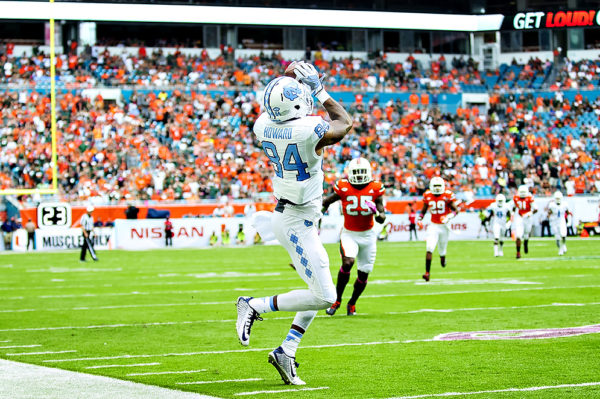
[
  {"x": 439, "y": 205},
  {"x": 290, "y": 147}
]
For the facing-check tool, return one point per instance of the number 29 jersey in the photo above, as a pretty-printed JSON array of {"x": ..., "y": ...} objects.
[
  {"x": 357, "y": 216},
  {"x": 290, "y": 147},
  {"x": 439, "y": 205}
]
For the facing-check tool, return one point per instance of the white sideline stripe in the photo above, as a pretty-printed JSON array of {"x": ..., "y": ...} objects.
[
  {"x": 83, "y": 359},
  {"x": 279, "y": 390},
  {"x": 166, "y": 372},
  {"x": 169, "y": 323},
  {"x": 218, "y": 381},
  {"x": 39, "y": 353},
  {"x": 21, "y": 380},
  {"x": 432, "y": 395},
  {"x": 19, "y": 346},
  {"x": 140, "y": 305},
  {"x": 106, "y": 366},
  {"x": 556, "y": 304},
  {"x": 8, "y": 340},
  {"x": 479, "y": 291}
]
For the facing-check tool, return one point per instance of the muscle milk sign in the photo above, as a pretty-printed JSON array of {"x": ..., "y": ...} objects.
[{"x": 554, "y": 19}]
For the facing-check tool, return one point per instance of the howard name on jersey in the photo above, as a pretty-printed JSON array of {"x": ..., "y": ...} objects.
[
  {"x": 290, "y": 147},
  {"x": 357, "y": 216},
  {"x": 523, "y": 205},
  {"x": 439, "y": 205}
]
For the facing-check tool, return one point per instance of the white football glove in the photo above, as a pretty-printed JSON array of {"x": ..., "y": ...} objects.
[{"x": 307, "y": 74}]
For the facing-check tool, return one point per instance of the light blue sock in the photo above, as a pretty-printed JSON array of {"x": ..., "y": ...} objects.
[
  {"x": 262, "y": 305},
  {"x": 291, "y": 342}
]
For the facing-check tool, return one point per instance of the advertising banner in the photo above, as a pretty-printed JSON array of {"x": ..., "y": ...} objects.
[
  {"x": 58, "y": 238},
  {"x": 584, "y": 18},
  {"x": 187, "y": 233}
]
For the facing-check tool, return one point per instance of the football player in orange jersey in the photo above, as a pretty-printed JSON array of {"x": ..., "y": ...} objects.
[
  {"x": 524, "y": 207},
  {"x": 441, "y": 204},
  {"x": 362, "y": 198}
]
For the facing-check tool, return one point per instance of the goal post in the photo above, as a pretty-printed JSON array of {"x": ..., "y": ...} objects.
[{"x": 54, "y": 186}]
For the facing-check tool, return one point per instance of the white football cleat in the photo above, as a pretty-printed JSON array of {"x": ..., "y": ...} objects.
[
  {"x": 501, "y": 253},
  {"x": 245, "y": 318},
  {"x": 286, "y": 366}
]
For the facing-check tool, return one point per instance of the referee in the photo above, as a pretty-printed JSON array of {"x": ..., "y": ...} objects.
[{"x": 87, "y": 225}]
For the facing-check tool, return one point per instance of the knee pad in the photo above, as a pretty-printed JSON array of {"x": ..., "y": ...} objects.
[{"x": 347, "y": 266}]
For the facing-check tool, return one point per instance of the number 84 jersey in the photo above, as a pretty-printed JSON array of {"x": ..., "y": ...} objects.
[
  {"x": 290, "y": 147},
  {"x": 357, "y": 216},
  {"x": 439, "y": 205}
]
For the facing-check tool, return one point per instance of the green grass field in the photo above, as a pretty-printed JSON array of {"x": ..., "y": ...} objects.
[{"x": 172, "y": 311}]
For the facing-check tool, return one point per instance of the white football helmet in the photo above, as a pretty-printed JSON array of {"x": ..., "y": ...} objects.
[
  {"x": 500, "y": 199},
  {"x": 523, "y": 191},
  {"x": 359, "y": 171},
  {"x": 437, "y": 185},
  {"x": 285, "y": 98},
  {"x": 558, "y": 197}
]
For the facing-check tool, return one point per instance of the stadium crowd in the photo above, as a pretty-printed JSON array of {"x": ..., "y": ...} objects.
[
  {"x": 95, "y": 67},
  {"x": 194, "y": 146}
]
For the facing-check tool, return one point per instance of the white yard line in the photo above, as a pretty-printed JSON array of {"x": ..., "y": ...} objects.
[
  {"x": 279, "y": 391},
  {"x": 84, "y": 359},
  {"x": 106, "y": 366},
  {"x": 229, "y": 302},
  {"x": 74, "y": 270},
  {"x": 38, "y": 353},
  {"x": 169, "y": 323},
  {"x": 540, "y": 388},
  {"x": 140, "y": 305},
  {"x": 19, "y": 346},
  {"x": 20, "y": 381},
  {"x": 164, "y": 323},
  {"x": 479, "y": 291},
  {"x": 495, "y": 308},
  {"x": 217, "y": 381},
  {"x": 167, "y": 372},
  {"x": 8, "y": 340},
  {"x": 142, "y": 293}
]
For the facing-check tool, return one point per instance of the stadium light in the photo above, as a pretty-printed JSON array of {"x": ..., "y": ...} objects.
[{"x": 247, "y": 16}]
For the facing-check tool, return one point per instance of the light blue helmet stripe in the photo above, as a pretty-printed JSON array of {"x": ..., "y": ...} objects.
[{"x": 267, "y": 98}]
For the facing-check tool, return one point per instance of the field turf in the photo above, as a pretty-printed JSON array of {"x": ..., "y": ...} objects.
[{"x": 173, "y": 310}]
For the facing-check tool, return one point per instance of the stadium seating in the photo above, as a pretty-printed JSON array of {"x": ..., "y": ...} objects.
[{"x": 191, "y": 142}]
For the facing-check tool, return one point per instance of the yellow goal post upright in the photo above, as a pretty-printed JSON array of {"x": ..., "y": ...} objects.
[{"x": 54, "y": 187}]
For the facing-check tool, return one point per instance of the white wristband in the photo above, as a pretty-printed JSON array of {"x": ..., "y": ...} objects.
[{"x": 322, "y": 96}]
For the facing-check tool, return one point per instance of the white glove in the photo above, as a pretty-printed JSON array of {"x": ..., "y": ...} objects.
[
  {"x": 446, "y": 219},
  {"x": 307, "y": 74}
]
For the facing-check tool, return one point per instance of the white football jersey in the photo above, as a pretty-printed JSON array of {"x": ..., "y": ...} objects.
[
  {"x": 558, "y": 212},
  {"x": 499, "y": 213},
  {"x": 290, "y": 146}
]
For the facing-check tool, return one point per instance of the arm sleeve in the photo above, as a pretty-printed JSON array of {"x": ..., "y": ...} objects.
[
  {"x": 318, "y": 127},
  {"x": 380, "y": 190},
  {"x": 337, "y": 189}
]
